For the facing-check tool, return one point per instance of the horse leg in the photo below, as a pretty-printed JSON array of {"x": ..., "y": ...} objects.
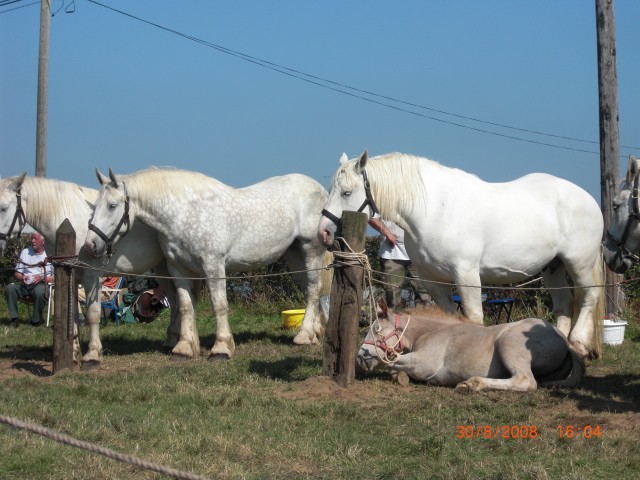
[
  {"x": 468, "y": 284},
  {"x": 307, "y": 261},
  {"x": 587, "y": 330},
  {"x": 224, "y": 346},
  {"x": 554, "y": 277},
  {"x": 516, "y": 358},
  {"x": 441, "y": 294},
  {"x": 92, "y": 287},
  {"x": 520, "y": 382},
  {"x": 188, "y": 345},
  {"x": 173, "y": 330}
]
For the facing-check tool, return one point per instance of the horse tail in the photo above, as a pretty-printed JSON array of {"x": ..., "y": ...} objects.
[
  {"x": 572, "y": 371},
  {"x": 599, "y": 310},
  {"x": 327, "y": 274}
]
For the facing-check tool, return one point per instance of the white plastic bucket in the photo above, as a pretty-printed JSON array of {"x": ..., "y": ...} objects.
[{"x": 613, "y": 332}]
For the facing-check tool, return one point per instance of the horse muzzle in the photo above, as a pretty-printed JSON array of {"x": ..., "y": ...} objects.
[
  {"x": 366, "y": 361},
  {"x": 615, "y": 257}
]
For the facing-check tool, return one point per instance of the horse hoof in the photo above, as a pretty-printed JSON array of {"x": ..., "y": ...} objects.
[
  {"x": 176, "y": 357},
  {"x": 400, "y": 378},
  {"x": 218, "y": 357},
  {"x": 90, "y": 365},
  {"x": 463, "y": 389}
]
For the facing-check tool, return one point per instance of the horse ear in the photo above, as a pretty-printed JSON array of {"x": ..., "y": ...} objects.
[
  {"x": 362, "y": 162},
  {"x": 112, "y": 176},
  {"x": 343, "y": 158},
  {"x": 102, "y": 179},
  {"x": 634, "y": 167},
  {"x": 382, "y": 310},
  {"x": 19, "y": 181}
]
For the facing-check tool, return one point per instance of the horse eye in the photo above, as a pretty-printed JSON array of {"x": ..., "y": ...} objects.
[
  {"x": 112, "y": 206},
  {"x": 346, "y": 193}
]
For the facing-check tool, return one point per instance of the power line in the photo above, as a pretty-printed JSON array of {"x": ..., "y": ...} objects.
[
  {"x": 359, "y": 93},
  {"x": 10, "y": 2}
]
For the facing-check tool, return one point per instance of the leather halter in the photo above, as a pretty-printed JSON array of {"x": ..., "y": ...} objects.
[
  {"x": 123, "y": 221},
  {"x": 368, "y": 202},
  {"x": 18, "y": 217},
  {"x": 633, "y": 216},
  {"x": 391, "y": 352}
]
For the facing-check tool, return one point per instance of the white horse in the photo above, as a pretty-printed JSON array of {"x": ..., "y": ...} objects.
[
  {"x": 622, "y": 242},
  {"x": 206, "y": 227},
  {"x": 439, "y": 348},
  {"x": 44, "y": 204},
  {"x": 463, "y": 230}
]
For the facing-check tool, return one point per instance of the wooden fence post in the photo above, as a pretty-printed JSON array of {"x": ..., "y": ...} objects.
[
  {"x": 66, "y": 301},
  {"x": 341, "y": 337}
]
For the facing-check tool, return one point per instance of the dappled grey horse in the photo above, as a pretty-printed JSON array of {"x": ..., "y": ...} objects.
[{"x": 208, "y": 228}]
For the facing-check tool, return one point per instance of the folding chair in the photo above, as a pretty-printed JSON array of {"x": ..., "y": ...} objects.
[
  {"x": 28, "y": 301},
  {"x": 112, "y": 286}
]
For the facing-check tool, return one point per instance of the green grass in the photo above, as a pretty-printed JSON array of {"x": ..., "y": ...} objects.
[{"x": 269, "y": 413}]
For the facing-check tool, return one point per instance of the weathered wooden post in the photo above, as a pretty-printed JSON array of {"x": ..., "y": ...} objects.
[
  {"x": 609, "y": 135},
  {"x": 66, "y": 301},
  {"x": 341, "y": 338}
]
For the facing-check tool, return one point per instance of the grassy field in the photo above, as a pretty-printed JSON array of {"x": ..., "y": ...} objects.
[{"x": 269, "y": 413}]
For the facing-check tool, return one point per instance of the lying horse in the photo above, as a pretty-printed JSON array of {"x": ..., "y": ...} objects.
[{"x": 439, "y": 348}]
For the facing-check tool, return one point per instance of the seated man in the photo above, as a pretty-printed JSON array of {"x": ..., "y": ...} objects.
[{"x": 32, "y": 276}]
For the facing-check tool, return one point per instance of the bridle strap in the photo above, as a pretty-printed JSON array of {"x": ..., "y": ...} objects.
[
  {"x": 633, "y": 216},
  {"x": 18, "y": 217},
  {"x": 125, "y": 220},
  {"x": 368, "y": 202}
]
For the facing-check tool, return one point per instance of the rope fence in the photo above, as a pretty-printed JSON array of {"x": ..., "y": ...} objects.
[
  {"x": 90, "y": 447},
  {"x": 348, "y": 259}
]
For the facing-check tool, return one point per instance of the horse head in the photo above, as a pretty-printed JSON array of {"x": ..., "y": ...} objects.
[
  {"x": 622, "y": 240},
  {"x": 110, "y": 218},
  {"x": 350, "y": 190},
  {"x": 385, "y": 339},
  {"x": 11, "y": 212}
]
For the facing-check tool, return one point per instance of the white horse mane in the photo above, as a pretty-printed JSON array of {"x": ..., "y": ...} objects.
[
  {"x": 53, "y": 199},
  {"x": 396, "y": 183},
  {"x": 166, "y": 180}
]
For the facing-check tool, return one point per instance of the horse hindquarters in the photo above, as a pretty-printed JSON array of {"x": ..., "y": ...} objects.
[{"x": 570, "y": 373}]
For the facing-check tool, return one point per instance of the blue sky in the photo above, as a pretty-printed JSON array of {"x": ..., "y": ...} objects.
[{"x": 127, "y": 94}]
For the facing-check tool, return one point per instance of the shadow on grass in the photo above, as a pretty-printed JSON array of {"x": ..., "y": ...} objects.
[
  {"x": 610, "y": 394},
  {"x": 284, "y": 369}
]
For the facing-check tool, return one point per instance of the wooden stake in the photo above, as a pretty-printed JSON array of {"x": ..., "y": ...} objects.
[{"x": 341, "y": 338}]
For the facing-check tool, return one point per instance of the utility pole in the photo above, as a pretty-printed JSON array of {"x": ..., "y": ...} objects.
[
  {"x": 609, "y": 134},
  {"x": 43, "y": 80}
]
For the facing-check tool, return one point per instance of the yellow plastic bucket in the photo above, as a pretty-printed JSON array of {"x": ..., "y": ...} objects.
[{"x": 292, "y": 318}]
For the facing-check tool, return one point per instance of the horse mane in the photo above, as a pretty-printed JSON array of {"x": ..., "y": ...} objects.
[
  {"x": 49, "y": 199},
  {"x": 396, "y": 184},
  {"x": 145, "y": 184},
  {"x": 437, "y": 312}
]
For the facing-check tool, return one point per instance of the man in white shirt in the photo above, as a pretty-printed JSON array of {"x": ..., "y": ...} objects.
[
  {"x": 32, "y": 275},
  {"x": 396, "y": 265}
]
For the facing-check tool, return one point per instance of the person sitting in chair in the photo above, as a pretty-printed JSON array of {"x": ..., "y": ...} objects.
[{"x": 32, "y": 275}]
